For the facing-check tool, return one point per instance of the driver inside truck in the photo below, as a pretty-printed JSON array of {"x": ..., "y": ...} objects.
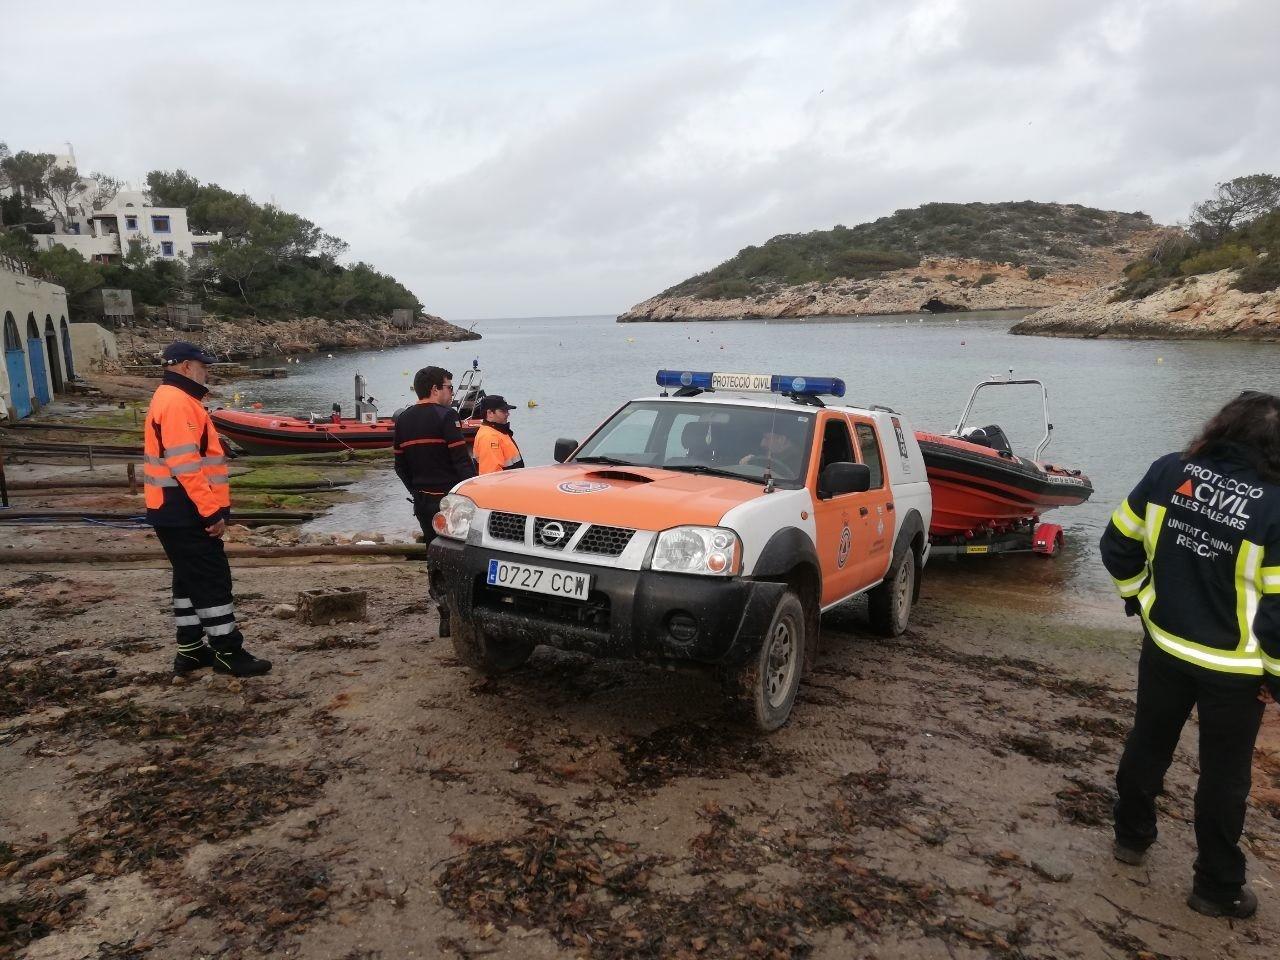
[{"x": 778, "y": 450}]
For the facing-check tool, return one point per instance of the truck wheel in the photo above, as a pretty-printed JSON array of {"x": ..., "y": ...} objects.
[
  {"x": 765, "y": 688},
  {"x": 483, "y": 653},
  {"x": 889, "y": 604}
]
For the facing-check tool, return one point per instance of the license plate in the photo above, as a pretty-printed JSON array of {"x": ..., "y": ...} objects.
[
  {"x": 985, "y": 549},
  {"x": 524, "y": 576}
]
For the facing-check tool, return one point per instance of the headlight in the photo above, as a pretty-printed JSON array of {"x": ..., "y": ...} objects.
[
  {"x": 454, "y": 517},
  {"x": 715, "y": 551}
]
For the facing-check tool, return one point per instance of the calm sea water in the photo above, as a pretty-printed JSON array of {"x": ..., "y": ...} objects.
[{"x": 1115, "y": 405}]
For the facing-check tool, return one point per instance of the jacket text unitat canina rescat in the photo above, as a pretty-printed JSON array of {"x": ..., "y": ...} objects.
[{"x": 1196, "y": 547}]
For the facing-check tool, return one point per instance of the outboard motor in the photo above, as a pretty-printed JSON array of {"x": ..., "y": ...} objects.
[{"x": 366, "y": 407}]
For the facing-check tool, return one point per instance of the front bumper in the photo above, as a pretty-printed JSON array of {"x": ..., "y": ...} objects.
[{"x": 629, "y": 614}]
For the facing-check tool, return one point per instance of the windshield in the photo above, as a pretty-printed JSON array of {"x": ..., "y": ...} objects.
[{"x": 745, "y": 442}]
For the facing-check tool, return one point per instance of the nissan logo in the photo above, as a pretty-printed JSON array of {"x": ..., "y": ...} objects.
[{"x": 552, "y": 533}]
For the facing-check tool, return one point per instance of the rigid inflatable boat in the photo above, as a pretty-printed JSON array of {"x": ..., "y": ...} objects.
[
  {"x": 272, "y": 433},
  {"x": 986, "y": 498}
]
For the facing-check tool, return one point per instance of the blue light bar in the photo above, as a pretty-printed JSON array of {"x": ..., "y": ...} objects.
[{"x": 751, "y": 382}]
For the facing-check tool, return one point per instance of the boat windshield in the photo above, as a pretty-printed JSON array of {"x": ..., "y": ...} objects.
[{"x": 748, "y": 443}]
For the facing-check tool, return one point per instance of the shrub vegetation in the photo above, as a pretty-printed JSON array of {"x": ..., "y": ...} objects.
[
  {"x": 996, "y": 232},
  {"x": 1236, "y": 229}
]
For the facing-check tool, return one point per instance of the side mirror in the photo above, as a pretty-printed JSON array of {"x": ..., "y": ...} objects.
[
  {"x": 564, "y": 449},
  {"x": 842, "y": 478}
]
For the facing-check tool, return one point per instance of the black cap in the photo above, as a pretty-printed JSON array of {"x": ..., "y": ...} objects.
[
  {"x": 181, "y": 350},
  {"x": 494, "y": 401}
]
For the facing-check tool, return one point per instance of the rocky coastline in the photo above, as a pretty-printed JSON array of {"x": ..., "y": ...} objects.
[
  {"x": 246, "y": 339},
  {"x": 937, "y": 285},
  {"x": 1201, "y": 307}
]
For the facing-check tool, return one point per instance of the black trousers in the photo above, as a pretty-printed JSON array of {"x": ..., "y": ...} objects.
[
  {"x": 425, "y": 506},
  {"x": 1230, "y": 715},
  {"x": 202, "y": 601}
]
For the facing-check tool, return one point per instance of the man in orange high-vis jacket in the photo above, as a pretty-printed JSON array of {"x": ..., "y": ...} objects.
[
  {"x": 188, "y": 500},
  {"x": 495, "y": 445}
]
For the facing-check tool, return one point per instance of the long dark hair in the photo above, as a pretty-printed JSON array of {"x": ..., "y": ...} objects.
[{"x": 1251, "y": 423}]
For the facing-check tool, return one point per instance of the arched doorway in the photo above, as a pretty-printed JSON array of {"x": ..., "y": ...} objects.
[
  {"x": 67, "y": 353},
  {"x": 15, "y": 364},
  {"x": 53, "y": 353},
  {"x": 35, "y": 353}
]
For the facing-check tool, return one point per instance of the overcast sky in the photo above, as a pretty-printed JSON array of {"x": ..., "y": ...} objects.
[{"x": 571, "y": 157}]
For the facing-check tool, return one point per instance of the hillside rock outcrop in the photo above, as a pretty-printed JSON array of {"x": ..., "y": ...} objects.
[
  {"x": 1198, "y": 308},
  {"x": 937, "y": 285},
  {"x": 244, "y": 339}
]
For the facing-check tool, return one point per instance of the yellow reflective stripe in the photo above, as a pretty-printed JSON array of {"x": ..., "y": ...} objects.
[
  {"x": 1269, "y": 577},
  {"x": 1248, "y": 563},
  {"x": 1155, "y": 523},
  {"x": 1127, "y": 521},
  {"x": 1271, "y": 666},
  {"x": 1130, "y": 587},
  {"x": 1212, "y": 658}
]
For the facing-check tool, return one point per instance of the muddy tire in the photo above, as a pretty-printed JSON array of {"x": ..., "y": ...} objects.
[
  {"x": 889, "y": 604},
  {"x": 483, "y": 653},
  {"x": 764, "y": 689}
]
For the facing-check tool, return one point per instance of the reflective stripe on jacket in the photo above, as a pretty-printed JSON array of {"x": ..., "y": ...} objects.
[
  {"x": 1197, "y": 545},
  {"x": 495, "y": 450},
  {"x": 431, "y": 454},
  {"x": 185, "y": 466}
]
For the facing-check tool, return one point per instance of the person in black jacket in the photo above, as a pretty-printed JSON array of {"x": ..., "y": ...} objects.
[
  {"x": 1195, "y": 552},
  {"x": 431, "y": 453}
]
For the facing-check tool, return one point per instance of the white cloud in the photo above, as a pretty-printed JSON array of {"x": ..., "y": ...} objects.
[{"x": 516, "y": 159}]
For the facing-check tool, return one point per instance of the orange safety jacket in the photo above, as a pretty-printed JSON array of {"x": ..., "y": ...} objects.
[
  {"x": 185, "y": 467},
  {"x": 495, "y": 450}
]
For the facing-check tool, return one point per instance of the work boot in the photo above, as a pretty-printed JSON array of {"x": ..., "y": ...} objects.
[
  {"x": 1243, "y": 906},
  {"x": 1130, "y": 855},
  {"x": 239, "y": 662},
  {"x": 191, "y": 657}
]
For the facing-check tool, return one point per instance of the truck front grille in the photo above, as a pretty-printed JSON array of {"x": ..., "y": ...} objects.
[
  {"x": 507, "y": 526},
  {"x": 605, "y": 541},
  {"x": 567, "y": 529}
]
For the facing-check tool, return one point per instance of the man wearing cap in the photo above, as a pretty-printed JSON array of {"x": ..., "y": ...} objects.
[
  {"x": 188, "y": 500},
  {"x": 495, "y": 445}
]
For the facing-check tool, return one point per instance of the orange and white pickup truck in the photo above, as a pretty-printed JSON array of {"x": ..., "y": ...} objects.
[{"x": 712, "y": 524}]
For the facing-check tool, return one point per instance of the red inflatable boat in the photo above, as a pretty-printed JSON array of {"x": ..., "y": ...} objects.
[
  {"x": 986, "y": 499},
  {"x": 272, "y": 433}
]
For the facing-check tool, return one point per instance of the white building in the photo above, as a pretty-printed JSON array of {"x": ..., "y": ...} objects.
[
  {"x": 38, "y": 357},
  {"x": 105, "y": 235}
]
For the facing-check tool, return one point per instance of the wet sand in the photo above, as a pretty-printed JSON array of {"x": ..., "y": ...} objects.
[{"x": 943, "y": 794}]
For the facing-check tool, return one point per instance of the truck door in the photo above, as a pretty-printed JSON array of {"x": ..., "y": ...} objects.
[
  {"x": 876, "y": 508},
  {"x": 843, "y": 534}
]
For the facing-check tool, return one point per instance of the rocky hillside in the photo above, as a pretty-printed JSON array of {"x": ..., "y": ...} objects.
[
  {"x": 240, "y": 339},
  {"x": 1203, "y": 307},
  {"x": 937, "y": 257}
]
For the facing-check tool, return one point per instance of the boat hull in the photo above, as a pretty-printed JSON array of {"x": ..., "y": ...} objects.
[
  {"x": 977, "y": 489},
  {"x": 267, "y": 434}
]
